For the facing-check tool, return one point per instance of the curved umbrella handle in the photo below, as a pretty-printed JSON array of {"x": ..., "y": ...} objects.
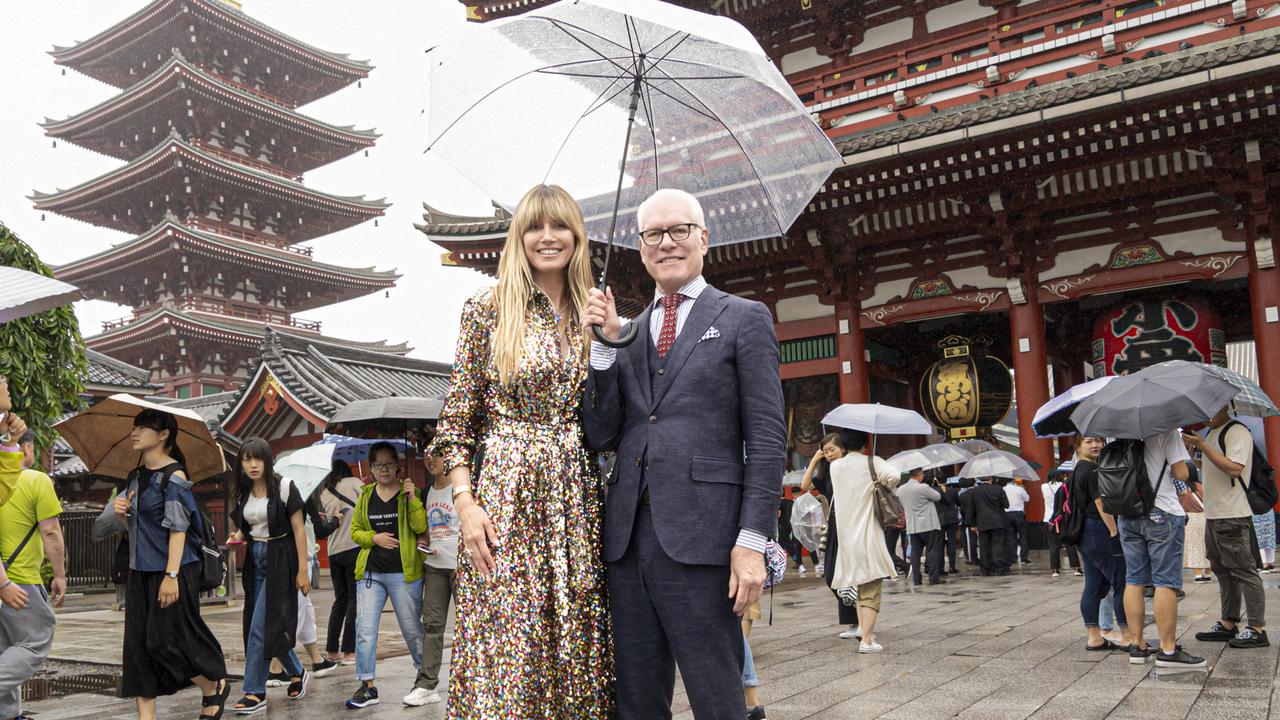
[{"x": 628, "y": 336}]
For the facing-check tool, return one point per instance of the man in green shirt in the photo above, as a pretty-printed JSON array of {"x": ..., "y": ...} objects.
[{"x": 29, "y": 532}]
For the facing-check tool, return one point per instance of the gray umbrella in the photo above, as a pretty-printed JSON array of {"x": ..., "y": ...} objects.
[{"x": 1153, "y": 401}]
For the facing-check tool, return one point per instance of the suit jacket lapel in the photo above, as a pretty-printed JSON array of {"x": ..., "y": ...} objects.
[
  {"x": 640, "y": 356},
  {"x": 705, "y": 310}
]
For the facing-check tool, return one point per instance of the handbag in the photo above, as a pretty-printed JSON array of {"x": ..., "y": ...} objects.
[{"x": 888, "y": 508}]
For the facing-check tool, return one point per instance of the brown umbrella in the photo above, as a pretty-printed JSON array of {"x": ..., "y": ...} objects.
[{"x": 100, "y": 436}]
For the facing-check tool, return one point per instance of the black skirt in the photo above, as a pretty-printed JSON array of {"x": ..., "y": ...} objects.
[{"x": 165, "y": 648}]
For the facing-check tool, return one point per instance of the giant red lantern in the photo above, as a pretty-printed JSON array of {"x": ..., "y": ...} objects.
[{"x": 1136, "y": 334}]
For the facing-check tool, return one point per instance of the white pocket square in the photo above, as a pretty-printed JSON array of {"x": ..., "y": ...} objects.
[{"x": 711, "y": 334}]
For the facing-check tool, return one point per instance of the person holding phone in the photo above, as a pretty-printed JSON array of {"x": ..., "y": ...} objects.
[{"x": 338, "y": 495}]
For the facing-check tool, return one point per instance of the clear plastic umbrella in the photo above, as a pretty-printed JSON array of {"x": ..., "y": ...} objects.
[
  {"x": 998, "y": 463},
  {"x": 614, "y": 99},
  {"x": 807, "y": 521},
  {"x": 929, "y": 457}
]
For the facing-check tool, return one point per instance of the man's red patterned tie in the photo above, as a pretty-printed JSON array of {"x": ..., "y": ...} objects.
[{"x": 667, "y": 338}]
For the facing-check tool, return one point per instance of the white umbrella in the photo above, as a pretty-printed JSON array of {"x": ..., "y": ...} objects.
[
  {"x": 878, "y": 419},
  {"x": 929, "y": 457},
  {"x": 100, "y": 436},
  {"x": 795, "y": 477},
  {"x": 24, "y": 293},
  {"x": 306, "y": 467},
  {"x": 998, "y": 463}
]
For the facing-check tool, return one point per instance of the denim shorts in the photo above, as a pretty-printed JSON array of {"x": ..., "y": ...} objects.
[{"x": 1153, "y": 549}]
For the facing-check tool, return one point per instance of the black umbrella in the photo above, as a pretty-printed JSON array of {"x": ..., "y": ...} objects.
[{"x": 1153, "y": 401}]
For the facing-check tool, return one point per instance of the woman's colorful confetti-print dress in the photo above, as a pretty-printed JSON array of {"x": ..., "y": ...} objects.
[{"x": 532, "y": 641}]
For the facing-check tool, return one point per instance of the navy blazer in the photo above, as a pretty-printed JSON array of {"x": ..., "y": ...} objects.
[{"x": 708, "y": 438}]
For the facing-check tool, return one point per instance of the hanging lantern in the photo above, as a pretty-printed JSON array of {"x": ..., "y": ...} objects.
[
  {"x": 1135, "y": 334},
  {"x": 967, "y": 391}
]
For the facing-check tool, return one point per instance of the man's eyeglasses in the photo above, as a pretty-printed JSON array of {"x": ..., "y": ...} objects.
[
  {"x": 679, "y": 233},
  {"x": 384, "y": 466}
]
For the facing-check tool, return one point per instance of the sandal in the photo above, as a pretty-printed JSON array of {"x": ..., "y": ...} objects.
[
  {"x": 1106, "y": 646},
  {"x": 218, "y": 698},
  {"x": 298, "y": 687},
  {"x": 250, "y": 705}
]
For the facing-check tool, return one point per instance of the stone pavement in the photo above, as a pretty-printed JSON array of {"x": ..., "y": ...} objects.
[{"x": 982, "y": 648}]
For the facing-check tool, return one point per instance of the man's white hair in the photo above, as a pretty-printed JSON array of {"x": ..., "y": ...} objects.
[{"x": 691, "y": 202}]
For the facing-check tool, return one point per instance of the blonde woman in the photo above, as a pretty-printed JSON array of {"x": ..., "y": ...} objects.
[{"x": 532, "y": 636}]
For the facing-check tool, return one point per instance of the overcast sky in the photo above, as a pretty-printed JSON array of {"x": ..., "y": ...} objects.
[{"x": 392, "y": 34}]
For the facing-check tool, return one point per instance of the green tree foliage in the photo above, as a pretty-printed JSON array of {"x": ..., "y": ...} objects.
[{"x": 42, "y": 355}]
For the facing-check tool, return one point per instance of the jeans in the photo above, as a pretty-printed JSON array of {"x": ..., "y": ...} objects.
[
  {"x": 437, "y": 585},
  {"x": 26, "y": 637},
  {"x": 749, "y": 679},
  {"x": 1153, "y": 549},
  {"x": 372, "y": 594},
  {"x": 1104, "y": 573},
  {"x": 1107, "y": 614},
  {"x": 255, "y": 659},
  {"x": 342, "y": 615}
]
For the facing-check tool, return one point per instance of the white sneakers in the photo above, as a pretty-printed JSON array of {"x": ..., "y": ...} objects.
[
  {"x": 851, "y": 634},
  {"x": 818, "y": 569},
  {"x": 421, "y": 696},
  {"x": 800, "y": 570},
  {"x": 870, "y": 648}
]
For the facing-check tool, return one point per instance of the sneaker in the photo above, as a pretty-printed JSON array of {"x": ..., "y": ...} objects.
[
  {"x": 870, "y": 648},
  {"x": 819, "y": 569},
  {"x": 756, "y": 713},
  {"x": 324, "y": 667},
  {"x": 800, "y": 570},
  {"x": 1055, "y": 574},
  {"x": 365, "y": 696},
  {"x": 298, "y": 688},
  {"x": 1203, "y": 578},
  {"x": 279, "y": 679},
  {"x": 1217, "y": 633},
  {"x": 421, "y": 696},
  {"x": 853, "y": 633},
  {"x": 1139, "y": 655},
  {"x": 1250, "y": 638},
  {"x": 1179, "y": 658}
]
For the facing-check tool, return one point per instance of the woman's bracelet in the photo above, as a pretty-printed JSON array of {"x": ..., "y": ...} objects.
[
  {"x": 461, "y": 490},
  {"x": 6, "y": 584}
]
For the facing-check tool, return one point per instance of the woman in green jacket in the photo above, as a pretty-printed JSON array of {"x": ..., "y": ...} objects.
[{"x": 388, "y": 518}]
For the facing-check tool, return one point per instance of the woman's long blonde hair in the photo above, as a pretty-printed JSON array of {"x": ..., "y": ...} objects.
[{"x": 515, "y": 276}]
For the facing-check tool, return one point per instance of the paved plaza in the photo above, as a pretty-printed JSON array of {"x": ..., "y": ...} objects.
[{"x": 982, "y": 648}]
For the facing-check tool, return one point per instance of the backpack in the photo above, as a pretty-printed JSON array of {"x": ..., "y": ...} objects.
[
  {"x": 213, "y": 571},
  {"x": 1067, "y": 523},
  {"x": 1123, "y": 485},
  {"x": 1261, "y": 490}
]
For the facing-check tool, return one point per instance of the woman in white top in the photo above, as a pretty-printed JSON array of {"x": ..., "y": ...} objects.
[
  {"x": 863, "y": 561},
  {"x": 338, "y": 494}
]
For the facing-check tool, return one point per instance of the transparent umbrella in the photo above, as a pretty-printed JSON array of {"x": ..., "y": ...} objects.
[
  {"x": 614, "y": 99},
  {"x": 807, "y": 521},
  {"x": 998, "y": 463}
]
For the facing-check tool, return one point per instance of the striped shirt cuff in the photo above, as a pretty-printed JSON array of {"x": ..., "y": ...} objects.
[
  {"x": 751, "y": 540},
  {"x": 602, "y": 356}
]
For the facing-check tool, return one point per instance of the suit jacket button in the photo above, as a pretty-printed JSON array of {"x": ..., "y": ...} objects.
[
  {"x": 637, "y": 462},
  {"x": 662, "y": 371},
  {"x": 653, "y": 419}
]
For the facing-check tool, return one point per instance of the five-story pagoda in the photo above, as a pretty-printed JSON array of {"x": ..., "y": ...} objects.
[{"x": 211, "y": 189}]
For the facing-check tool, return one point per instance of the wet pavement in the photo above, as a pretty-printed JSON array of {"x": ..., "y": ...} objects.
[{"x": 984, "y": 648}]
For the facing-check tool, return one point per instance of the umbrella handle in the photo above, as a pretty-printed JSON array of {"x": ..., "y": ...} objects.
[{"x": 628, "y": 336}]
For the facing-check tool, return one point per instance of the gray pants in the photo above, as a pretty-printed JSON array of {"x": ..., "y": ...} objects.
[
  {"x": 1231, "y": 558},
  {"x": 26, "y": 637},
  {"x": 437, "y": 593}
]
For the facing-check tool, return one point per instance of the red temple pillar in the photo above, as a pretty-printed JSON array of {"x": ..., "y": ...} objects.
[
  {"x": 851, "y": 349},
  {"x": 1264, "y": 292},
  {"x": 1031, "y": 387}
]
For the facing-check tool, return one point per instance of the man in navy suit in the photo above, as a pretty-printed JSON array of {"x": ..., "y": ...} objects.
[{"x": 694, "y": 411}]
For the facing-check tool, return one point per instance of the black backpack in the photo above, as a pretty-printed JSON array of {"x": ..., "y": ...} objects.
[
  {"x": 1261, "y": 490},
  {"x": 1067, "y": 522},
  {"x": 1123, "y": 485},
  {"x": 213, "y": 571}
]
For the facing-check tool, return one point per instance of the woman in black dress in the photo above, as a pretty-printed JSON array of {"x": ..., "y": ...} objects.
[
  {"x": 818, "y": 476},
  {"x": 167, "y": 645}
]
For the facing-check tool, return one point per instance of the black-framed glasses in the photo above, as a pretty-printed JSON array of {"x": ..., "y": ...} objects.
[
  {"x": 384, "y": 466},
  {"x": 679, "y": 233}
]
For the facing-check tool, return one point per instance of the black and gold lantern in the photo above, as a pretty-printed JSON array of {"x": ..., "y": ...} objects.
[{"x": 967, "y": 391}]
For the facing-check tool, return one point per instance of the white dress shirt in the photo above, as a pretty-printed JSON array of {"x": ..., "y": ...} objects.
[
  {"x": 1018, "y": 497},
  {"x": 603, "y": 357}
]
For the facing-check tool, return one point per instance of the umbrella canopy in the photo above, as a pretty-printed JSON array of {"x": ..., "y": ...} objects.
[
  {"x": 630, "y": 96},
  {"x": 795, "y": 477},
  {"x": 24, "y": 293},
  {"x": 354, "y": 450},
  {"x": 976, "y": 446},
  {"x": 1153, "y": 401},
  {"x": 1053, "y": 419},
  {"x": 878, "y": 419},
  {"x": 306, "y": 467},
  {"x": 100, "y": 436},
  {"x": 807, "y": 521},
  {"x": 998, "y": 463},
  {"x": 930, "y": 457},
  {"x": 1252, "y": 400},
  {"x": 388, "y": 408}
]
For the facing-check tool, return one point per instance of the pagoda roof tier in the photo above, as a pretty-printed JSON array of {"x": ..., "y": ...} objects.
[
  {"x": 320, "y": 378},
  {"x": 182, "y": 96},
  {"x": 211, "y": 30},
  {"x": 137, "y": 339},
  {"x": 185, "y": 179},
  {"x": 170, "y": 247}
]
